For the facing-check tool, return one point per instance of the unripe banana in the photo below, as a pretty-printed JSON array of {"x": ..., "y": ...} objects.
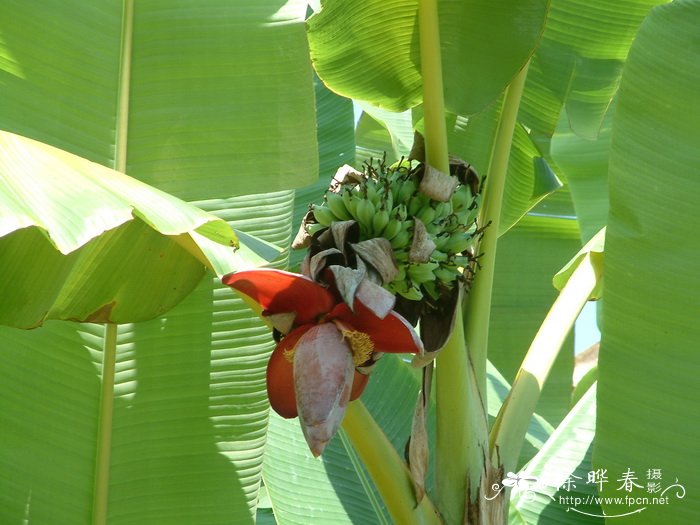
[
  {"x": 403, "y": 164},
  {"x": 400, "y": 212},
  {"x": 433, "y": 228},
  {"x": 365, "y": 213},
  {"x": 459, "y": 241},
  {"x": 371, "y": 190},
  {"x": 441, "y": 240},
  {"x": 461, "y": 198},
  {"x": 422, "y": 272},
  {"x": 387, "y": 199},
  {"x": 350, "y": 201},
  {"x": 392, "y": 228},
  {"x": 401, "y": 257},
  {"x": 324, "y": 215},
  {"x": 431, "y": 288},
  {"x": 442, "y": 210},
  {"x": 313, "y": 228},
  {"x": 439, "y": 256},
  {"x": 407, "y": 190},
  {"x": 426, "y": 214},
  {"x": 401, "y": 240},
  {"x": 445, "y": 275},
  {"x": 417, "y": 202},
  {"x": 395, "y": 188},
  {"x": 380, "y": 221},
  {"x": 412, "y": 294},
  {"x": 336, "y": 204}
]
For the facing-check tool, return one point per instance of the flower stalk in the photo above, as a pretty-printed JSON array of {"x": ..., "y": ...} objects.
[{"x": 387, "y": 468}]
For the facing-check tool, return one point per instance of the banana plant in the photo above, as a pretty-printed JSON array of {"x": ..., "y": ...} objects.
[{"x": 578, "y": 117}]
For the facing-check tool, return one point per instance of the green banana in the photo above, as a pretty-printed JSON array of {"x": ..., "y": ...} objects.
[
  {"x": 365, "y": 213},
  {"x": 350, "y": 200},
  {"x": 408, "y": 188},
  {"x": 324, "y": 215},
  {"x": 380, "y": 221},
  {"x": 458, "y": 242},
  {"x": 412, "y": 294},
  {"x": 392, "y": 228},
  {"x": 336, "y": 204},
  {"x": 461, "y": 198},
  {"x": 445, "y": 275},
  {"x": 422, "y": 272},
  {"x": 426, "y": 214},
  {"x": 418, "y": 201},
  {"x": 401, "y": 240}
]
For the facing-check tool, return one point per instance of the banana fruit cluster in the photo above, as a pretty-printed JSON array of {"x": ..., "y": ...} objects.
[{"x": 431, "y": 239}]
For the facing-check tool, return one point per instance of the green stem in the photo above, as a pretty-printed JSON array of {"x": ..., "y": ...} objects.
[
  {"x": 388, "y": 471},
  {"x": 511, "y": 424},
  {"x": 478, "y": 311},
  {"x": 104, "y": 427},
  {"x": 436, "y": 149},
  {"x": 453, "y": 436},
  {"x": 454, "y": 439}
]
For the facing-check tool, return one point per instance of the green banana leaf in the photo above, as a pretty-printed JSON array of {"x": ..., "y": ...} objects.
[
  {"x": 648, "y": 401},
  {"x": 190, "y": 406},
  {"x": 336, "y": 146},
  {"x": 584, "y": 163},
  {"x": 527, "y": 257},
  {"x": 566, "y": 456},
  {"x": 371, "y": 54},
  {"x": 170, "y": 93},
  {"x": 578, "y": 63},
  {"x": 83, "y": 242},
  {"x": 206, "y": 119}
]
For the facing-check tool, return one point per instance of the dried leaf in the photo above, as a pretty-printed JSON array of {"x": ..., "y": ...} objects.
[
  {"x": 379, "y": 254},
  {"x": 418, "y": 148},
  {"x": 418, "y": 449},
  {"x": 345, "y": 175},
  {"x": 343, "y": 232},
  {"x": 347, "y": 281},
  {"x": 302, "y": 238},
  {"x": 379, "y": 300},
  {"x": 422, "y": 246},
  {"x": 437, "y": 185},
  {"x": 437, "y": 323},
  {"x": 322, "y": 260}
]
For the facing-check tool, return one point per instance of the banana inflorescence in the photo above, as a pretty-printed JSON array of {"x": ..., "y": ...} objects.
[{"x": 386, "y": 202}]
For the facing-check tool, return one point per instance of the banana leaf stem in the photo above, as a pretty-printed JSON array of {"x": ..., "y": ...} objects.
[
  {"x": 388, "y": 471},
  {"x": 104, "y": 427},
  {"x": 436, "y": 149},
  {"x": 478, "y": 310},
  {"x": 511, "y": 424}
]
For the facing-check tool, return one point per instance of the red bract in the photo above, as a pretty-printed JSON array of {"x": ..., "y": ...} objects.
[{"x": 312, "y": 371}]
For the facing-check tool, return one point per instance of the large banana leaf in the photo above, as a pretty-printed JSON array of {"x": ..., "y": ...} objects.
[
  {"x": 204, "y": 101},
  {"x": 372, "y": 54},
  {"x": 648, "y": 401},
  {"x": 565, "y": 456},
  {"x": 527, "y": 257},
  {"x": 83, "y": 242},
  {"x": 171, "y": 93},
  {"x": 578, "y": 63},
  {"x": 190, "y": 406}
]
